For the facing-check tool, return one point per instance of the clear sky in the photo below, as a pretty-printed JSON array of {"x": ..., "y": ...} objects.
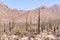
[{"x": 29, "y": 4}]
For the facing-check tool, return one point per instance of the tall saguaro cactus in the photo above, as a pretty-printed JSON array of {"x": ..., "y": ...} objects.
[
  {"x": 50, "y": 25},
  {"x": 11, "y": 25},
  {"x": 30, "y": 30},
  {"x": 54, "y": 29},
  {"x": 38, "y": 21},
  {"x": 30, "y": 22},
  {"x": 26, "y": 23},
  {"x": 4, "y": 28}
]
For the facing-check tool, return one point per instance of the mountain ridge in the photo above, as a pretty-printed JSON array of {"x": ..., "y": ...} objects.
[{"x": 19, "y": 16}]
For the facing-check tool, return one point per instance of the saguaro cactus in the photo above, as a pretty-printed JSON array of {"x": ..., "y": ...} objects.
[
  {"x": 50, "y": 25},
  {"x": 30, "y": 22},
  {"x": 11, "y": 25},
  {"x": 4, "y": 28},
  {"x": 57, "y": 27},
  {"x": 26, "y": 23},
  {"x": 38, "y": 21},
  {"x": 54, "y": 29},
  {"x": 30, "y": 31},
  {"x": 42, "y": 27}
]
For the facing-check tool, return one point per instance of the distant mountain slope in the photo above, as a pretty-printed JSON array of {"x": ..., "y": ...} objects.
[{"x": 19, "y": 16}]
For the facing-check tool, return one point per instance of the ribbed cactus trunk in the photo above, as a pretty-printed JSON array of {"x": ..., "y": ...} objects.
[
  {"x": 30, "y": 31},
  {"x": 50, "y": 25},
  {"x": 4, "y": 28},
  {"x": 30, "y": 22},
  {"x": 54, "y": 29},
  {"x": 42, "y": 27},
  {"x": 9, "y": 26},
  {"x": 26, "y": 23},
  {"x": 38, "y": 21},
  {"x": 57, "y": 27},
  {"x": 29, "y": 34}
]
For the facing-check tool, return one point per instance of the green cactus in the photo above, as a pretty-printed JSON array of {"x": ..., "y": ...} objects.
[
  {"x": 26, "y": 23},
  {"x": 38, "y": 22}
]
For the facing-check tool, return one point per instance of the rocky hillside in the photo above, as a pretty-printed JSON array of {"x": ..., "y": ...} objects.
[{"x": 19, "y": 16}]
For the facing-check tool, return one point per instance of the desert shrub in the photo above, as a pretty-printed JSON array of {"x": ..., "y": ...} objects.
[
  {"x": 33, "y": 35},
  {"x": 16, "y": 30},
  {"x": 3, "y": 39},
  {"x": 25, "y": 33},
  {"x": 46, "y": 38}
]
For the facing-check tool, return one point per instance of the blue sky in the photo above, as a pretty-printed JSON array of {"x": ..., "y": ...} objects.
[{"x": 29, "y": 4}]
